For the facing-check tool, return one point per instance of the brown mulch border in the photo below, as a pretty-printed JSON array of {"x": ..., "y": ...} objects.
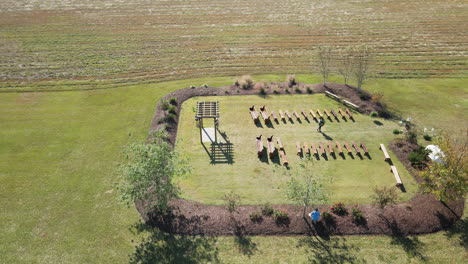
[{"x": 422, "y": 214}]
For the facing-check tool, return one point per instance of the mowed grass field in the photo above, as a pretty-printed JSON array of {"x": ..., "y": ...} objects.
[
  {"x": 112, "y": 43},
  {"x": 260, "y": 180},
  {"x": 58, "y": 157}
]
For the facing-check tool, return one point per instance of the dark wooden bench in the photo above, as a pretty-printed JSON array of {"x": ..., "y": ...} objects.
[
  {"x": 319, "y": 113},
  {"x": 287, "y": 114},
  {"x": 322, "y": 148},
  {"x": 384, "y": 150},
  {"x": 334, "y": 114},
  {"x": 364, "y": 148},
  {"x": 274, "y": 115},
  {"x": 313, "y": 149},
  {"x": 298, "y": 148},
  {"x": 282, "y": 155},
  {"x": 271, "y": 146},
  {"x": 304, "y": 114},
  {"x": 341, "y": 113},
  {"x": 281, "y": 114},
  {"x": 349, "y": 113},
  {"x": 338, "y": 146},
  {"x": 330, "y": 148},
  {"x": 264, "y": 113},
  {"x": 397, "y": 176},
  {"x": 355, "y": 146},
  {"x": 313, "y": 114},
  {"x": 280, "y": 144},
  {"x": 253, "y": 113},
  {"x": 326, "y": 113},
  {"x": 259, "y": 145},
  {"x": 345, "y": 144},
  {"x": 305, "y": 149},
  {"x": 296, "y": 115}
]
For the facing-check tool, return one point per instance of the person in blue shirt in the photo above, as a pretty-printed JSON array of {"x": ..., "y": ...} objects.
[{"x": 315, "y": 216}]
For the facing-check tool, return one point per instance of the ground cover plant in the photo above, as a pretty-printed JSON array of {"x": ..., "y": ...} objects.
[
  {"x": 257, "y": 181},
  {"x": 62, "y": 207}
]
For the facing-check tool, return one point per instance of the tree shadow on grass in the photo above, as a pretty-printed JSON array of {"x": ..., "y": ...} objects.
[
  {"x": 161, "y": 247},
  {"x": 244, "y": 244},
  {"x": 332, "y": 250},
  {"x": 459, "y": 231},
  {"x": 413, "y": 247}
]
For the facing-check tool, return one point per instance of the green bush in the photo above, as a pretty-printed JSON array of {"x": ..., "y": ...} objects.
[
  {"x": 165, "y": 104},
  {"x": 397, "y": 131},
  {"x": 280, "y": 216},
  {"x": 173, "y": 101},
  {"x": 291, "y": 80},
  {"x": 232, "y": 201},
  {"x": 309, "y": 90},
  {"x": 327, "y": 217},
  {"x": 374, "y": 114},
  {"x": 427, "y": 137},
  {"x": 245, "y": 82},
  {"x": 358, "y": 217},
  {"x": 262, "y": 91},
  {"x": 267, "y": 210},
  {"x": 364, "y": 96},
  {"x": 418, "y": 157},
  {"x": 339, "y": 209},
  {"x": 255, "y": 217},
  {"x": 412, "y": 136},
  {"x": 298, "y": 90},
  {"x": 172, "y": 109}
]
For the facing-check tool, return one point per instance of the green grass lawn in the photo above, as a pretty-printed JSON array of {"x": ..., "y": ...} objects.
[
  {"x": 257, "y": 181},
  {"x": 58, "y": 157}
]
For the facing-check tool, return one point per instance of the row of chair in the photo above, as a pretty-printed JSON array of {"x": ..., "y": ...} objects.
[
  {"x": 320, "y": 149},
  {"x": 269, "y": 115}
]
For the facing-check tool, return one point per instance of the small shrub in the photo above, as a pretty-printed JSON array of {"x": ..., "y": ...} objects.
[
  {"x": 165, "y": 104},
  {"x": 385, "y": 196},
  {"x": 364, "y": 96},
  {"x": 262, "y": 91},
  {"x": 172, "y": 109},
  {"x": 171, "y": 118},
  {"x": 427, "y": 137},
  {"x": 267, "y": 210},
  {"x": 418, "y": 157},
  {"x": 280, "y": 216},
  {"x": 291, "y": 80},
  {"x": 256, "y": 217},
  {"x": 412, "y": 136},
  {"x": 205, "y": 85},
  {"x": 275, "y": 91},
  {"x": 385, "y": 113},
  {"x": 397, "y": 131},
  {"x": 358, "y": 217},
  {"x": 327, "y": 217},
  {"x": 245, "y": 82},
  {"x": 287, "y": 90},
  {"x": 173, "y": 101},
  {"x": 192, "y": 87},
  {"x": 232, "y": 201},
  {"x": 298, "y": 90},
  {"x": 309, "y": 90},
  {"x": 374, "y": 114},
  {"x": 339, "y": 209}
]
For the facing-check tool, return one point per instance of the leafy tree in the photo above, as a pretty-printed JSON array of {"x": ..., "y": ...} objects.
[
  {"x": 448, "y": 180},
  {"x": 151, "y": 171},
  {"x": 324, "y": 54},
  {"x": 361, "y": 61},
  {"x": 346, "y": 64},
  {"x": 232, "y": 201},
  {"x": 305, "y": 188}
]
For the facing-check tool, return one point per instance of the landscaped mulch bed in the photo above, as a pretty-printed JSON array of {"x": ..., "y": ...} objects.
[{"x": 421, "y": 214}]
